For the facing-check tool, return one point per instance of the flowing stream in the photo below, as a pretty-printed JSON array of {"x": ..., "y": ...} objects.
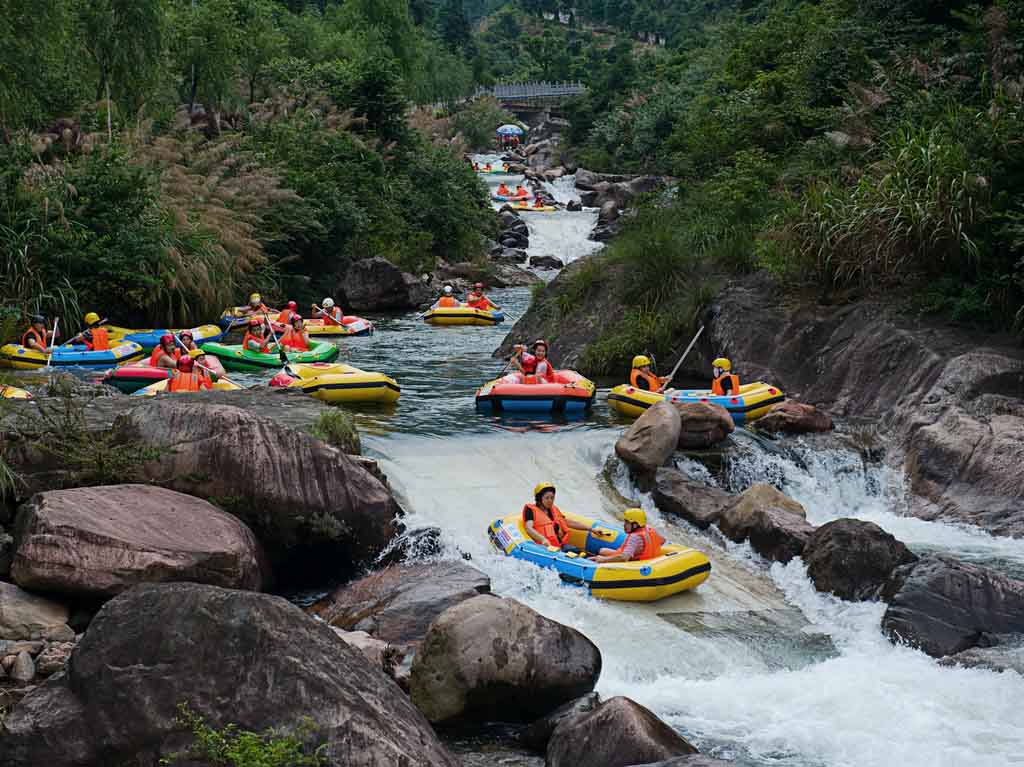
[{"x": 754, "y": 665}]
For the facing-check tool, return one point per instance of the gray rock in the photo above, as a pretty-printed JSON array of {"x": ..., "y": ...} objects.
[
  {"x": 100, "y": 541},
  {"x": 155, "y": 646},
  {"x": 943, "y": 606},
  {"x": 6, "y": 552},
  {"x": 24, "y": 615},
  {"x": 691, "y": 760},
  {"x": 853, "y": 559},
  {"x": 702, "y": 424},
  {"x": 698, "y": 504},
  {"x": 59, "y": 633},
  {"x": 774, "y": 523},
  {"x": 538, "y": 733},
  {"x": 546, "y": 262},
  {"x": 374, "y": 284},
  {"x": 13, "y": 647},
  {"x": 574, "y": 206},
  {"x": 489, "y": 657},
  {"x": 609, "y": 212},
  {"x": 54, "y": 658},
  {"x": 1006, "y": 655},
  {"x": 618, "y": 733},
  {"x": 651, "y": 439},
  {"x": 24, "y": 669},
  {"x": 792, "y": 417},
  {"x": 511, "y": 256}
]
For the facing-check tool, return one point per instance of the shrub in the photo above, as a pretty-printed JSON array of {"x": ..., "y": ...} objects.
[
  {"x": 479, "y": 120},
  {"x": 336, "y": 427}
]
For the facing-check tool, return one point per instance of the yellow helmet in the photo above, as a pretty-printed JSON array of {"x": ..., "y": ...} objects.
[
  {"x": 255, "y": 298},
  {"x": 542, "y": 487},
  {"x": 637, "y": 516},
  {"x": 92, "y": 318},
  {"x": 640, "y": 360},
  {"x": 723, "y": 363}
]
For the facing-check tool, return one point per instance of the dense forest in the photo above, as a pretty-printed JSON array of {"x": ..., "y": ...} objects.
[{"x": 177, "y": 153}]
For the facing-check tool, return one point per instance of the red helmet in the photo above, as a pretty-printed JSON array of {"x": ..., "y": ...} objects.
[
  {"x": 186, "y": 334},
  {"x": 539, "y": 342},
  {"x": 479, "y": 286},
  {"x": 185, "y": 363},
  {"x": 292, "y": 305},
  {"x": 166, "y": 338},
  {"x": 255, "y": 323}
]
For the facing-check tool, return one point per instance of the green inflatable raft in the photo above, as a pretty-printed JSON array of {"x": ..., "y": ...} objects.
[{"x": 233, "y": 357}]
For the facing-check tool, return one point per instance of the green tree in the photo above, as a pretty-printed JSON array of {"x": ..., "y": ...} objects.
[
  {"x": 454, "y": 27},
  {"x": 261, "y": 40},
  {"x": 205, "y": 50}
]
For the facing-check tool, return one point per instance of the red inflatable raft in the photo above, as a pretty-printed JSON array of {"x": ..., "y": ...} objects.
[{"x": 570, "y": 393}]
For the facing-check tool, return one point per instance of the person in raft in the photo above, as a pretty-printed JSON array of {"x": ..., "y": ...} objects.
[
  {"x": 166, "y": 355},
  {"x": 95, "y": 338},
  {"x": 333, "y": 315},
  {"x": 536, "y": 364},
  {"x": 503, "y": 190},
  {"x": 641, "y": 376},
  {"x": 296, "y": 337},
  {"x": 447, "y": 299},
  {"x": 642, "y": 542},
  {"x": 210, "y": 365},
  {"x": 521, "y": 191},
  {"x": 256, "y": 305},
  {"x": 256, "y": 337},
  {"x": 285, "y": 316},
  {"x": 725, "y": 383},
  {"x": 545, "y": 524},
  {"x": 187, "y": 378},
  {"x": 478, "y": 300},
  {"x": 37, "y": 336}
]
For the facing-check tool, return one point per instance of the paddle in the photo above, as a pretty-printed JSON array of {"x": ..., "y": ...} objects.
[
  {"x": 280, "y": 348},
  {"x": 53, "y": 341},
  {"x": 680, "y": 362},
  {"x": 104, "y": 321}
]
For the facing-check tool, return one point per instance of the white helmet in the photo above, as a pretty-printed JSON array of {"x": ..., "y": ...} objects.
[
  {"x": 328, "y": 303},
  {"x": 447, "y": 288}
]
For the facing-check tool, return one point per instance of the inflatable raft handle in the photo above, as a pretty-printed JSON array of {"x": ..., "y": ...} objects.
[{"x": 553, "y": 549}]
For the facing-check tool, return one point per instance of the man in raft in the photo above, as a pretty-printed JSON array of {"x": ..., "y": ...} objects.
[
  {"x": 545, "y": 524},
  {"x": 642, "y": 378},
  {"x": 333, "y": 315},
  {"x": 285, "y": 316},
  {"x": 255, "y": 306},
  {"x": 521, "y": 192},
  {"x": 503, "y": 190},
  {"x": 641, "y": 542},
  {"x": 187, "y": 378},
  {"x": 37, "y": 336},
  {"x": 95, "y": 337},
  {"x": 535, "y": 364},
  {"x": 210, "y": 365},
  {"x": 478, "y": 300},
  {"x": 166, "y": 355},
  {"x": 725, "y": 383},
  {"x": 447, "y": 299}
]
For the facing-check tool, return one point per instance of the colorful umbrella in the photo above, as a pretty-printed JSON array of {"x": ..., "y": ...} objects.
[{"x": 510, "y": 130}]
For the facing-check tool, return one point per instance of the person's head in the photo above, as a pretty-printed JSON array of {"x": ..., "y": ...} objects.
[
  {"x": 447, "y": 290},
  {"x": 186, "y": 363},
  {"x": 167, "y": 342},
  {"x": 328, "y": 303},
  {"x": 38, "y": 321},
  {"x": 255, "y": 327},
  {"x": 544, "y": 495},
  {"x": 92, "y": 319},
  {"x": 721, "y": 366},
  {"x": 642, "y": 362},
  {"x": 293, "y": 307},
  {"x": 540, "y": 348},
  {"x": 479, "y": 287},
  {"x": 633, "y": 520},
  {"x": 296, "y": 320},
  {"x": 255, "y": 299},
  {"x": 187, "y": 338}
]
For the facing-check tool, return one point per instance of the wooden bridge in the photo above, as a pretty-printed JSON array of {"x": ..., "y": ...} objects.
[{"x": 532, "y": 101}]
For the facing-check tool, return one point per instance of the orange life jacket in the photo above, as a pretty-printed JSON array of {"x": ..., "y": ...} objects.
[
  {"x": 552, "y": 526},
  {"x": 294, "y": 340},
  {"x": 653, "y": 382},
  {"x": 652, "y": 544},
  {"x": 447, "y": 301},
  {"x": 285, "y": 316},
  {"x": 188, "y": 382},
  {"x": 262, "y": 344},
  {"x": 716, "y": 385},
  {"x": 158, "y": 352},
  {"x": 503, "y": 191},
  {"x": 35, "y": 335},
  {"x": 334, "y": 316},
  {"x": 100, "y": 340}
]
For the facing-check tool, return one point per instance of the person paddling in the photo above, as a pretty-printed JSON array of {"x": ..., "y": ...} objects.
[
  {"x": 186, "y": 378},
  {"x": 477, "y": 299},
  {"x": 545, "y": 523},
  {"x": 255, "y": 339},
  {"x": 166, "y": 355},
  {"x": 725, "y": 383},
  {"x": 641, "y": 376},
  {"x": 535, "y": 365},
  {"x": 37, "y": 337},
  {"x": 333, "y": 315},
  {"x": 285, "y": 315},
  {"x": 447, "y": 299},
  {"x": 296, "y": 337},
  {"x": 95, "y": 337}
]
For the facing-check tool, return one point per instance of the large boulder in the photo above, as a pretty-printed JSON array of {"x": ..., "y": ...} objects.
[
  {"x": 774, "y": 523},
  {"x": 1007, "y": 655},
  {"x": 399, "y": 603},
  {"x": 316, "y": 510},
  {"x": 698, "y": 504},
  {"x": 853, "y": 559},
  {"x": 608, "y": 213},
  {"x": 374, "y": 283},
  {"x": 100, "y": 541},
  {"x": 27, "y": 616},
  {"x": 943, "y": 606},
  {"x": 234, "y": 657},
  {"x": 794, "y": 417},
  {"x": 489, "y": 657},
  {"x": 546, "y": 262},
  {"x": 618, "y": 733},
  {"x": 702, "y": 424},
  {"x": 651, "y": 439},
  {"x": 538, "y": 733}
]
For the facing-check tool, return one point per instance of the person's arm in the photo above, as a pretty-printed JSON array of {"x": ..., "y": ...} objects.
[
  {"x": 576, "y": 525},
  {"x": 633, "y": 543}
]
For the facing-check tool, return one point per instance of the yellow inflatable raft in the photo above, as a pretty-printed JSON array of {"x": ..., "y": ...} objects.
[
  {"x": 161, "y": 386},
  {"x": 336, "y": 383},
  {"x": 751, "y": 402},
  {"x": 679, "y": 568},
  {"x": 533, "y": 208},
  {"x": 13, "y": 392},
  {"x": 462, "y": 315}
]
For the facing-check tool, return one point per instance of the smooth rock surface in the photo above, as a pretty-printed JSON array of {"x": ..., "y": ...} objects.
[
  {"x": 698, "y": 504},
  {"x": 618, "y": 733},
  {"x": 489, "y": 657},
  {"x": 651, "y": 439},
  {"x": 853, "y": 559},
  {"x": 24, "y": 615},
  {"x": 311, "y": 506},
  {"x": 100, "y": 541},
  {"x": 23, "y": 668},
  {"x": 774, "y": 523},
  {"x": 943, "y": 606},
  {"x": 1007, "y": 655},
  {"x": 373, "y": 284},
  {"x": 691, "y": 760},
  {"x": 702, "y": 424},
  {"x": 157, "y": 645},
  {"x": 399, "y": 603},
  {"x": 792, "y": 417},
  {"x": 538, "y": 733}
]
